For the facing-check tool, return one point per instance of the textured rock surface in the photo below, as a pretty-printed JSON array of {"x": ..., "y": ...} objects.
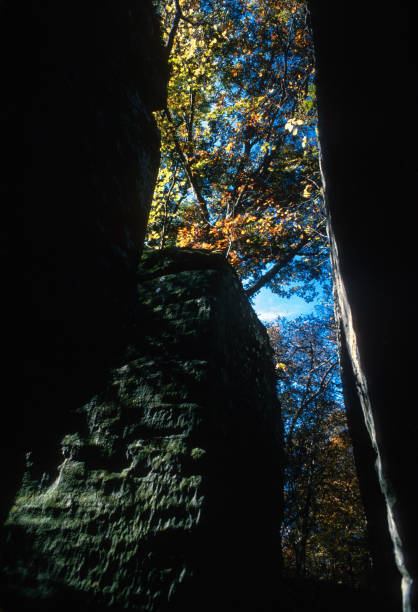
[
  {"x": 87, "y": 77},
  {"x": 386, "y": 577},
  {"x": 168, "y": 495},
  {"x": 363, "y": 80}
]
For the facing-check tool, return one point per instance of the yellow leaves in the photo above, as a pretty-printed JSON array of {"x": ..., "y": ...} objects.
[
  {"x": 281, "y": 366},
  {"x": 191, "y": 48},
  {"x": 207, "y": 245},
  {"x": 216, "y": 113},
  {"x": 307, "y": 191},
  {"x": 291, "y": 125},
  {"x": 153, "y": 235}
]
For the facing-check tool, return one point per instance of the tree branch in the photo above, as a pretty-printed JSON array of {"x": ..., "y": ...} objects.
[
  {"x": 201, "y": 201},
  {"x": 166, "y": 201},
  {"x": 173, "y": 30},
  {"x": 268, "y": 276},
  {"x": 323, "y": 385}
]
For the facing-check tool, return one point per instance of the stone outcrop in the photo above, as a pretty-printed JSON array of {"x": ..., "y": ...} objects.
[
  {"x": 364, "y": 83},
  {"x": 153, "y": 480},
  {"x": 168, "y": 495},
  {"x": 87, "y": 77}
]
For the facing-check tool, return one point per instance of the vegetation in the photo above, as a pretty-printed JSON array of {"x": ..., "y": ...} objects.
[
  {"x": 239, "y": 171},
  {"x": 324, "y": 528},
  {"x": 240, "y": 175}
]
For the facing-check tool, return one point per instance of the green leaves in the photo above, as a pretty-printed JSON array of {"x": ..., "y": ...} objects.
[{"x": 241, "y": 135}]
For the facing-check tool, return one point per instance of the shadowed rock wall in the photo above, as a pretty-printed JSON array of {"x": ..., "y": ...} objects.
[
  {"x": 168, "y": 495},
  {"x": 85, "y": 78},
  {"x": 166, "y": 491},
  {"x": 365, "y": 84}
]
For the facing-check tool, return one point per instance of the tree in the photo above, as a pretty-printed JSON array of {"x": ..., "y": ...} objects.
[
  {"x": 324, "y": 529},
  {"x": 239, "y": 171},
  {"x": 240, "y": 175}
]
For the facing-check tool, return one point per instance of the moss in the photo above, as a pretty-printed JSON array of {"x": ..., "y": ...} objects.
[{"x": 176, "y": 457}]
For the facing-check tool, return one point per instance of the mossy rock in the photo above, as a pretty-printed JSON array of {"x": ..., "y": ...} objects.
[{"x": 169, "y": 495}]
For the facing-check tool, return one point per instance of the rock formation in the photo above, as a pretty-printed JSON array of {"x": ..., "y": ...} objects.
[
  {"x": 153, "y": 479},
  {"x": 364, "y": 83},
  {"x": 86, "y": 78},
  {"x": 168, "y": 496}
]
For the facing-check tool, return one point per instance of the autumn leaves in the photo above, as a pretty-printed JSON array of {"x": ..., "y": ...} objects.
[{"x": 239, "y": 153}]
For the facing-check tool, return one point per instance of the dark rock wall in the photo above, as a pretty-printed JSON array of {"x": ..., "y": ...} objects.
[
  {"x": 153, "y": 480},
  {"x": 83, "y": 78},
  {"x": 167, "y": 492},
  {"x": 168, "y": 495},
  {"x": 386, "y": 577},
  {"x": 365, "y": 84}
]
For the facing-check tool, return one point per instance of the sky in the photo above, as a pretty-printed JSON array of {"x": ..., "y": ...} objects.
[{"x": 268, "y": 306}]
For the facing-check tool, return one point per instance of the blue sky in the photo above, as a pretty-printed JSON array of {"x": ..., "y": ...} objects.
[{"x": 269, "y": 306}]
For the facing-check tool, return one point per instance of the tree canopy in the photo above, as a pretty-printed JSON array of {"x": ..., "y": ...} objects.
[
  {"x": 239, "y": 171},
  {"x": 324, "y": 531},
  {"x": 240, "y": 175}
]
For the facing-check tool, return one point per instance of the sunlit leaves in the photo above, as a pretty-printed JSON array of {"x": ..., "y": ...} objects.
[{"x": 240, "y": 134}]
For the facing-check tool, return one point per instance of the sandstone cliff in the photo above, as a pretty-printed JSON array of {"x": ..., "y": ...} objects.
[
  {"x": 83, "y": 80},
  {"x": 369, "y": 191},
  {"x": 168, "y": 496}
]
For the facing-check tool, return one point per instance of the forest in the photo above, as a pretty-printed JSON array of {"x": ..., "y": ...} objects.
[{"x": 240, "y": 175}]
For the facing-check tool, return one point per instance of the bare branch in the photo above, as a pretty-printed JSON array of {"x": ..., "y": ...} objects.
[
  {"x": 304, "y": 403},
  {"x": 268, "y": 276}
]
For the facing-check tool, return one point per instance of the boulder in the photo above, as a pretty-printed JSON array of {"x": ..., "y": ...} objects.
[
  {"x": 83, "y": 79},
  {"x": 168, "y": 496}
]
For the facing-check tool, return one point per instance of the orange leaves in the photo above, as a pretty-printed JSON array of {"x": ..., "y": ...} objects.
[
  {"x": 300, "y": 38},
  {"x": 230, "y": 95},
  {"x": 323, "y": 509}
]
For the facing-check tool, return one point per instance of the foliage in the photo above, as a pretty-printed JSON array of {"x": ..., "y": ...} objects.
[
  {"x": 240, "y": 175},
  {"x": 239, "y": 171},
  {"x": 324, "y": 529}
]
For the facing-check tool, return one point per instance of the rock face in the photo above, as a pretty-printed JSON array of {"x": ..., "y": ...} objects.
[
  {"x": 168, "y": 495},
  {"x": 87, "y": 77},
  {"x": 369, "y": 185},
  {"x": 166, "y": 492}
]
